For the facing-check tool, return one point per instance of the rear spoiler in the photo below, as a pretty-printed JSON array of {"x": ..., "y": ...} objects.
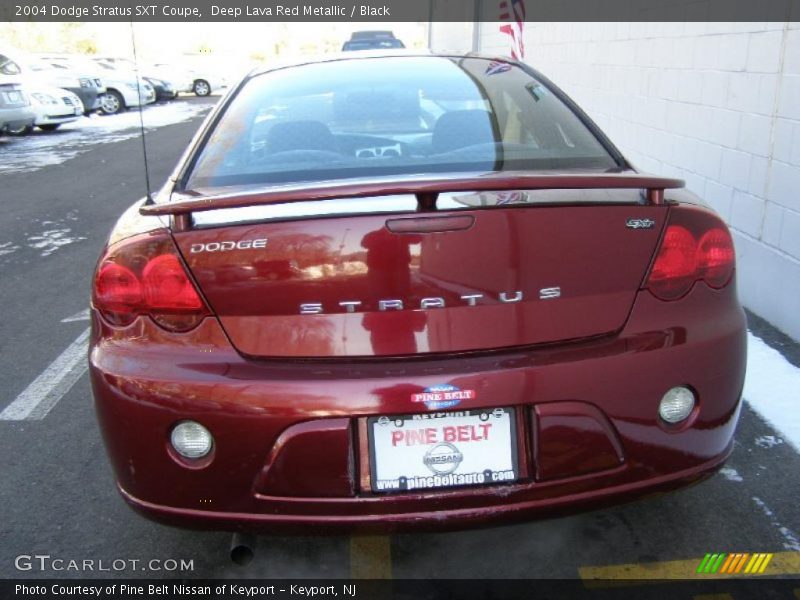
[{"x": 426, "y": 190}]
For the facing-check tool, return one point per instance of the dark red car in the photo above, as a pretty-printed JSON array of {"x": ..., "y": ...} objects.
[{"x": 411, "y": 290}]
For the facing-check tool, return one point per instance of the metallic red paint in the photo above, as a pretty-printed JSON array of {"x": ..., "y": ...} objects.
[
  {"x": 573, "y": 438},
  {"x": 287, "y": 396},
  {"x": 587, "y": 251},
  {"x": 321, "y": 446},
  {"x": 145, "y": 379}
]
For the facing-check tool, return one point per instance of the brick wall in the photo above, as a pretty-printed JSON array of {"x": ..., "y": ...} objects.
[{"x": 717, "y": 104}]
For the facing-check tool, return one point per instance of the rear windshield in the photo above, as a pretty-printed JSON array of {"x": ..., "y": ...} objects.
[{"x": 389, "y": 116}]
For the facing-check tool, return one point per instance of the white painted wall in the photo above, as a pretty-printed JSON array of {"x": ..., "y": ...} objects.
[
  {"x": 451, "y": 36},
  {"x": 717, "y": 104}
]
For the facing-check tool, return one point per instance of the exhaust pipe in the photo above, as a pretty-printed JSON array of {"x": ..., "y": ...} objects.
[{"x": 243, "y": 548}]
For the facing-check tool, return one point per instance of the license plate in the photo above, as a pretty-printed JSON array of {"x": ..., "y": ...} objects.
[{"x": 442, "y": 450}]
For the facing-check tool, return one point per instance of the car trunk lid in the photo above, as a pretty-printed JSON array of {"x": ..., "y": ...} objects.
[{"x": 500, "y": 271}]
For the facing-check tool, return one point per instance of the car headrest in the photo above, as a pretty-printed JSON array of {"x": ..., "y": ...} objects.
[
  {"x": 299, "y": 135},
  {"x": 382, "y": 106},
  {"x": 460, "y": 128}
]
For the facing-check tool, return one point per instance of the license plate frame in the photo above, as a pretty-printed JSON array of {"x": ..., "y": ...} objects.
[{"x": 437, "y": 461}]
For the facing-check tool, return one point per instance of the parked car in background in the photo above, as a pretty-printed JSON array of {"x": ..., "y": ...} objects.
[
  {"x": 372, "y": 40},
  {"x": 38, "y": 71},
  {"x": 202, "y": 86},
  {"x": 165, "y": 91},
  {"x": 202, "y": 80},
  {"x": 15, "y": 109},
  {"x": 124, "y": 89},
  {"x": 125, "y": 93},
  {"x": 182, "y": 80},
  {"x": 196, "y": 78},
  {"x": 348, "y": 309},
  {"x": 168, "y": 83},
  {"x": 53, "y": 107}
]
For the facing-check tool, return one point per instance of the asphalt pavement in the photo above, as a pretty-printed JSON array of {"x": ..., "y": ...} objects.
[{"x": 57, "y": 496}]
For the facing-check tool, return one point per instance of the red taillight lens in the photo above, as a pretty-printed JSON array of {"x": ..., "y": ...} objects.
[
  {"x": 682, "y": 259},
  {"x": 167, "y": 287},
  {"x": 674, "y": 269},
  {"x": 145, "y": 276},
  {"x": 118, "y": 290},
  {"x": 715, "y": 257}
]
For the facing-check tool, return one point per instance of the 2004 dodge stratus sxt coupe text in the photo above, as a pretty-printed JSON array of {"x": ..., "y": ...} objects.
[{"x": 396, "y": 290}]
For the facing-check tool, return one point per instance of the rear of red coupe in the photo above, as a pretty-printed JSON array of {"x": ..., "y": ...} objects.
[{"x": 396, "y": 291}]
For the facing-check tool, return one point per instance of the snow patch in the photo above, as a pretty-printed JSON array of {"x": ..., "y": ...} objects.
[
  {"x": 731, "y": 474},
  {"x": 153, "y": 116},
  {"x": 33, "y": 152},
  {"x": 768, "y": 441},
  {"x": 772, "y": 389},
  {"x": 790, "y": 539},
  {"x": 8, "y": 248},
  {"x": 51, "y": 240}
]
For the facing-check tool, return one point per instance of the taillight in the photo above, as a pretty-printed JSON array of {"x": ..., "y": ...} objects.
[
  {"x": 696, "y": 246},
  {"x": 674, "y": 270},
  {"x": 118, "y": 290},
  {"x": 166, "y": 285},
  {"x": 144, "y": 275},
  {"x": 715, "y": 257}
]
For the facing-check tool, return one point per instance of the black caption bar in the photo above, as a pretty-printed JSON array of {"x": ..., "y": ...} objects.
[
  {"x": 416, "y": 589},
  {"x": 397, "y": 10}
]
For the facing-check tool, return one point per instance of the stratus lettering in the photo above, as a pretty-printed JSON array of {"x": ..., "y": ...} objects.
[{"x": 431, "y": 303}]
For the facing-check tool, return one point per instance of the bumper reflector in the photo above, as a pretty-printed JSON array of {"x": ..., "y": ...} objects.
[
  {"x": 191, "y": 440},
  {"x": 676, "y": 405}
]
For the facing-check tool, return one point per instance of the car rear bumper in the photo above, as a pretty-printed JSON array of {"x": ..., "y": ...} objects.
[
  {"x": 445, "y": 519},
  {"x": 15, "y": 125},
  {"x": 290, "y": 436},
  {"x": 14, "y": 118}
]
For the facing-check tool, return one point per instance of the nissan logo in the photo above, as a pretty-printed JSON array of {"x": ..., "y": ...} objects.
[{"x": 443, "y": 458}]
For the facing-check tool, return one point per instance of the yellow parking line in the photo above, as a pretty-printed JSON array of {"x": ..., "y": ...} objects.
[
  {"x": 370, "y": 557},
  {"x": 782, "y": 563},
  {"x": 713, "y": 597}
]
